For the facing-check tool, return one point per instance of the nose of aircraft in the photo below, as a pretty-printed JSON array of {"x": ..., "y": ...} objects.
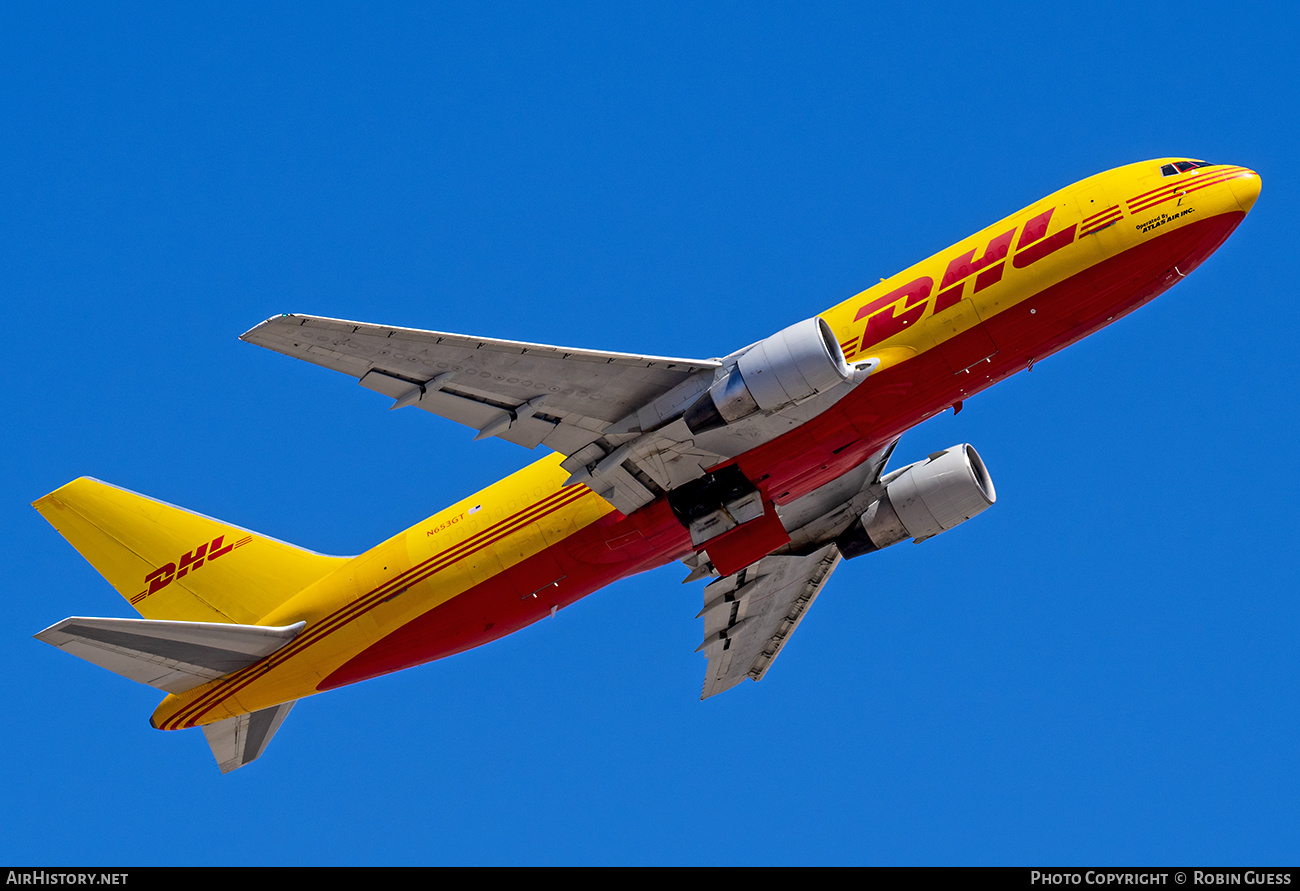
[{"x": 1246, "y": 189}]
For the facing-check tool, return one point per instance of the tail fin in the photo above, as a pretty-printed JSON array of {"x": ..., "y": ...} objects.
[{"x": 170, "y": 563}]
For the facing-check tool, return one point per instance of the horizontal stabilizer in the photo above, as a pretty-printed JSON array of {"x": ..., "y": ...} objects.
[
  {"x": 172, "y": 656},
  {"x": 239, "y": 740}
]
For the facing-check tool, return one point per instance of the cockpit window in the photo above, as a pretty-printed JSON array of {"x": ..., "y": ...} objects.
[{"x": 1182, "y": 167}]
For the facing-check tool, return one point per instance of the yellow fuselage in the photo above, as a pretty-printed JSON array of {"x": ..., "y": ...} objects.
[{"x": 942, "y": 330}]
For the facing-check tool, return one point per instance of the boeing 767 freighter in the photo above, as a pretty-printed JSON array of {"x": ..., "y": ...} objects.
[{"x": 759, "y": 471}]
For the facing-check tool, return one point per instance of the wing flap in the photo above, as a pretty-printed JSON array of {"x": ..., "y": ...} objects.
[
  {"x": 513, "y": 423},
  {"x": 749, "y": 616},
  {"x": 171, "y": 656},
  {"x": 491, "y": 385}
]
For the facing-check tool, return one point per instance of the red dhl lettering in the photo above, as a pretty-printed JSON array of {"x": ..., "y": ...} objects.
[
  {"x": 885, "y": 317},
  {"x": 188, "y": 562},
  {"x": 192, "y": 560},
  {"x": 893, "y": 313},
  {"x": 1033, "y": 246},
  {"x": 989, "y": 266}
]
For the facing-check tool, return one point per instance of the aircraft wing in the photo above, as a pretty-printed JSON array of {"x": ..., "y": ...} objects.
[
  {"x": 750, "y": 615},
  {"x": 526, "y": 393}
]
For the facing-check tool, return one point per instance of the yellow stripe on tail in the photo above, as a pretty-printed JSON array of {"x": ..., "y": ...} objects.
[{"x": 173, "y": 564}]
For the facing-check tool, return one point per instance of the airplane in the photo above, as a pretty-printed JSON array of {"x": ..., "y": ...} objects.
[{"x": 759, "y": 471}]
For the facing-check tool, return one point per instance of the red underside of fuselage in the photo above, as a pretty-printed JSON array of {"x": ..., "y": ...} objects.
[{"x": 871, "y": 416}]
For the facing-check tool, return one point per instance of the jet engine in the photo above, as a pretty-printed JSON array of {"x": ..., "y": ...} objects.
[
  {"x": 922, "y": 500},
  {"x": 788, "y": 367}
]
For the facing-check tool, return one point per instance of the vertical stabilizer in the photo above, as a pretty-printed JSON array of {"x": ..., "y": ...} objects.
[{"x": 173, "y": 564}]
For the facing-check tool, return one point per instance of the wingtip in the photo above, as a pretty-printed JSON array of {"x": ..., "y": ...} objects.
[{"x": 284, "y": 315}]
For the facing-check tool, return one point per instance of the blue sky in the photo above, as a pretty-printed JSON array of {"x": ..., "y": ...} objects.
[{"x": 1101, "y": 669}]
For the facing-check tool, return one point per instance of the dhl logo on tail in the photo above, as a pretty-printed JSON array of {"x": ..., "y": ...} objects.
[{"x": 190, "y": 561}]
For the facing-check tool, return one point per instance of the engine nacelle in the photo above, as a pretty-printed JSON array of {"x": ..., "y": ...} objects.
[
  {"x": 922, "y": 500},
  {"x": 790, "y": 366}
]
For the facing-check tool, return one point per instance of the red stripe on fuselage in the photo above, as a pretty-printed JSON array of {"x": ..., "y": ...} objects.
[
  {"x": 612, "y": 548},
  {"x": 1194, "y": 184},
  {"x": 1183, "y": 181},
  {"x": 875, "y": 413},
  {"x": 373, "y": 598},
  {"x": 1088, "y": 220}
]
